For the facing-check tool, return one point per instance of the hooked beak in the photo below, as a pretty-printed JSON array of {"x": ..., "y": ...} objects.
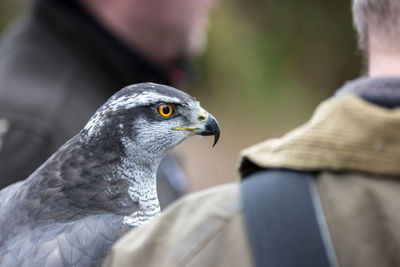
[
  {"x": 207, "y": 125},
  {"x": 210, "y": 127}
]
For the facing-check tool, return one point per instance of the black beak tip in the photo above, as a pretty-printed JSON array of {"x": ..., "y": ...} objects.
[
  {"x": 216, "y": 137},
  {"x": 212, "y": 128}
]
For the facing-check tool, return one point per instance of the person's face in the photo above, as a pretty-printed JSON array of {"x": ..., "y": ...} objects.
[
  {"x": 184, "y": 20},
  {"x": 191, "y": 19}
]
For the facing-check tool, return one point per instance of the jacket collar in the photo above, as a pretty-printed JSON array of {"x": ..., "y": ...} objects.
[
  {"x": 383, "y": 92},
  {"x": 350, "y": 132}
]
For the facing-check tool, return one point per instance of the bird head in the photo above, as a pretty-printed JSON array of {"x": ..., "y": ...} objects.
[{"x": 149, "y": 119}]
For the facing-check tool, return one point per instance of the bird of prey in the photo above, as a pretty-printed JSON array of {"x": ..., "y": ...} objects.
[{"x": 101, "y": 183}]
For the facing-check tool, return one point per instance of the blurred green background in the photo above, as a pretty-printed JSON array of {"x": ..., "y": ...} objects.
[
  {"x": 267, "y": 65},
  {"x": 277, "y": 59}
]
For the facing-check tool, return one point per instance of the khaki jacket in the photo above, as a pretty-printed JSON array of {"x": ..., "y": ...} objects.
[{"x": 354, "y": 148}]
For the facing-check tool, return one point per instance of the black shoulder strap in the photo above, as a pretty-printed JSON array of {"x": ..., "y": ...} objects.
[{"x": 283, "y": 221}]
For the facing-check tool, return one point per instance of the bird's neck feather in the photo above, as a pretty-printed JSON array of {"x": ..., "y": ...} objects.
[
  {"x": 140, "y": 170},
  {"x": 142, "y": 190}
]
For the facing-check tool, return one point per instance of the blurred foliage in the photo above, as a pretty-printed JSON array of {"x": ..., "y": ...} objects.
[
  {"x": 274, "y": 60},
  {"x": 9, "y": 9}
]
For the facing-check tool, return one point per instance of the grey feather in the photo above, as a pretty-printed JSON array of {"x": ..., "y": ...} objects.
[{"x": 97, "y": 186}]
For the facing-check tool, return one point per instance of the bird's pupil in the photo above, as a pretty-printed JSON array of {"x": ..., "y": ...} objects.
[{"x": 166, "y": 109}]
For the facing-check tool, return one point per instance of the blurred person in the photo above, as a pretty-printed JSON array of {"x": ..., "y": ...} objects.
[
  {"x": 64, "y": 58},
  {"x": 325, "y": 194}
]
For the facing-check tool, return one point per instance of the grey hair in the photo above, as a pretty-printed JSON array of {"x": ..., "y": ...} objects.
[{"x": 382, "y": 16}]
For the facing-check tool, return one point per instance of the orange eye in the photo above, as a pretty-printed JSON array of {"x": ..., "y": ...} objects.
[{"x": 165, "y": 110}]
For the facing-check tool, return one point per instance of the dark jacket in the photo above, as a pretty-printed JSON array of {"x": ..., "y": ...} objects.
[
  {"x": 57, "y": 67},
  {"x": 352, "y": 147}
]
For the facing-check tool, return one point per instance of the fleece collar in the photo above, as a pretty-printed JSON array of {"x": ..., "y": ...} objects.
[{"x": 383, "y": 92}]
